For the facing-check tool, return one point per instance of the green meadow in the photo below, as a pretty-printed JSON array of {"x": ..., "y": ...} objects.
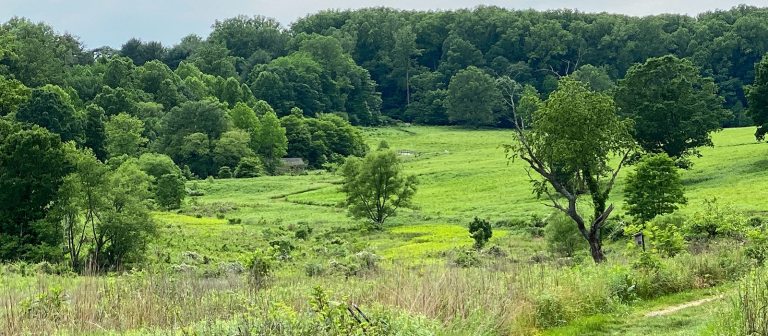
[
  {"x": 413, "y": 273},
  {"x": 462, "y": 173}
]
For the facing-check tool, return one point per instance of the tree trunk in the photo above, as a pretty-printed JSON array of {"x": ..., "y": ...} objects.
[{"x": 596, "y": 248}]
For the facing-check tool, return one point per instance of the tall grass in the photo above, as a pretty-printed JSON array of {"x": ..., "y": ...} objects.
[{"x": 500, "y": 298}]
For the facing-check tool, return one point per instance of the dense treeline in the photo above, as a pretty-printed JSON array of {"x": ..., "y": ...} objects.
[
  {"x": 414, "y": 55},
  {"x": 364, "y": 63}
]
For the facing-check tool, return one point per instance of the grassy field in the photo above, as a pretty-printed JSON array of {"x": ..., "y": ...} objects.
[{"x": 462, "y": 173}]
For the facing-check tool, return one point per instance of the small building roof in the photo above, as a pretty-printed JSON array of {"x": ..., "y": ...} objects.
[{"x": 293, "y": 162}]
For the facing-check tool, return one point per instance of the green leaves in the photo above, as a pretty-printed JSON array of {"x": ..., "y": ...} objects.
[
  {"x": 757, "y": 95},
  {"x": 376, "y": 187},
  {"x": 654, "y": 188},
  {"x": 674, "y": 108}
]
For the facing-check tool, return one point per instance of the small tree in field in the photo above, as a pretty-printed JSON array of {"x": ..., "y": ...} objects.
[
  {"x": 376, "y": 187},
  {"x": 480, "y": 230},
  {"x": 574, "y": 134},
  {"x": 654, "y": 188}
]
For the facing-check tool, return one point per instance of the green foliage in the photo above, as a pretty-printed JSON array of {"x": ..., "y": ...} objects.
[
  {"x": 50, "y": 107},
  {"x": 563, "y": 237},
  {"x": 170, "y": 191},
  {"x": 12, "y": 94},
  {"x": 716, "y": 220},
  {"x": 272, "y": 143},
  {"x": 375, "y": 186},
  {"x": 124, "y": 135},
  {"x": 466, "y": 258},
  {"x": 232, "y": 147},
  {"x": 673, "y": 107},
  {"x": 654, "y": 188},
  {"x": 327, "y": 138},
  {"x": 473, "y": 98},
  {"x": 260, "y": 267},
  {"x": 32, "y": 168},
  {"x": 187, "y": 133},
  {"x": 224, "y": 172},
  {"x": 480, "y": 230},
  {"x": 249, "y": 166},
  {"x": 757, "y": 96},
  {"x": 663, "y": 235}
]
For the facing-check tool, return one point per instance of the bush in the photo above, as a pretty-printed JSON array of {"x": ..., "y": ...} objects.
[
  {"x": 303, "y": 232},
  {"x": 170, "y": 191},
  {"x": 225, "y": 172},
  {"x": 717, "y": 220},
  {"x": 480, "y": 230},
  {"x": 757, "y": 245},
  {"x": 312, "y": 269},
  {"x": 622, "y": 286},
  {"x": 663, "y": 235},
  {"x": 260, "y": 267},
  {"x": 466, "y": 259},
  {"x": 563, "y": 237},
  {"x": 250, "y": 166},
  {"x": 550, "y": 311}
]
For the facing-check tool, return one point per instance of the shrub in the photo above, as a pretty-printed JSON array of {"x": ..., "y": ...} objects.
[
  {"x": 623, "y": 286},
  {"x": 663, "y": 234},
  {"x": 550, "y": 311},
  {"x": 283, "y": 248},
  {"x": 563, "y": 237},
  {"x": 716, "y": 220},
  {"x": 757, "y": 245},
  {"x": 250, "y": 166},
  {"x": 260, "y": 267},
  {"x": 225, "y": 172},
  {"x": 466, "y": 259},
  {"x": 480, "y": 230},
  {"x": 170, "y": 191},
  {"x": 303, "y": 232},
  {"x": 312, "y": 269}
]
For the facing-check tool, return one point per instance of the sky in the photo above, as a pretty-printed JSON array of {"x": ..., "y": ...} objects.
[{"x": 112, "y": 22}]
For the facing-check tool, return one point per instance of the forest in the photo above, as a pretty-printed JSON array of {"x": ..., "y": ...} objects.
[{"x": 579, "y": 170}]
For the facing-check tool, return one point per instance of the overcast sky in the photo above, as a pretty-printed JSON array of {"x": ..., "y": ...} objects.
[{"x": 112, "y": 22}]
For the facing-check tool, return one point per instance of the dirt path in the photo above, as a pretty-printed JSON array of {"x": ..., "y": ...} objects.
[{"x": 673, "y": 309}]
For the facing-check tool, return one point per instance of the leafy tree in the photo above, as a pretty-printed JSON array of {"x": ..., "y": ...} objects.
[
  {"x": 376, "y": 187},
  {"x": 595, "y": 77},
  {"x": 167, "y": 179},
  {"x": 32, "y": 168},
  {"x": 757, "y": 95},
  {"x": 244, "y": 118},
  {"x": 654, "y": 188},
  {"x": 12, "y": 94},
  {"x": 95, "y": 132},
  {"x": 673, "y": 107},
  {"x": 196, "y": 154},
  {"x": 124, "y": 135},
  {"x": 480, "y": 230},
  {"x": 272, "y": 143},
  {"x": 186, "y": 133},
  {"x": 249, "y": 166},
  {"x": 51, "y": 108},
  {"x": 473, "y": 98},
  {"x": 233, "y": 146},
  {"x": 574, "y": 134},
  {"x": 126, "y": 226},
  {"x": 116, "y": 101},
  {"x": 170, "y": 191},
  {"x": 245, "y": 36},
  {"x": 224, "y": 172}
]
